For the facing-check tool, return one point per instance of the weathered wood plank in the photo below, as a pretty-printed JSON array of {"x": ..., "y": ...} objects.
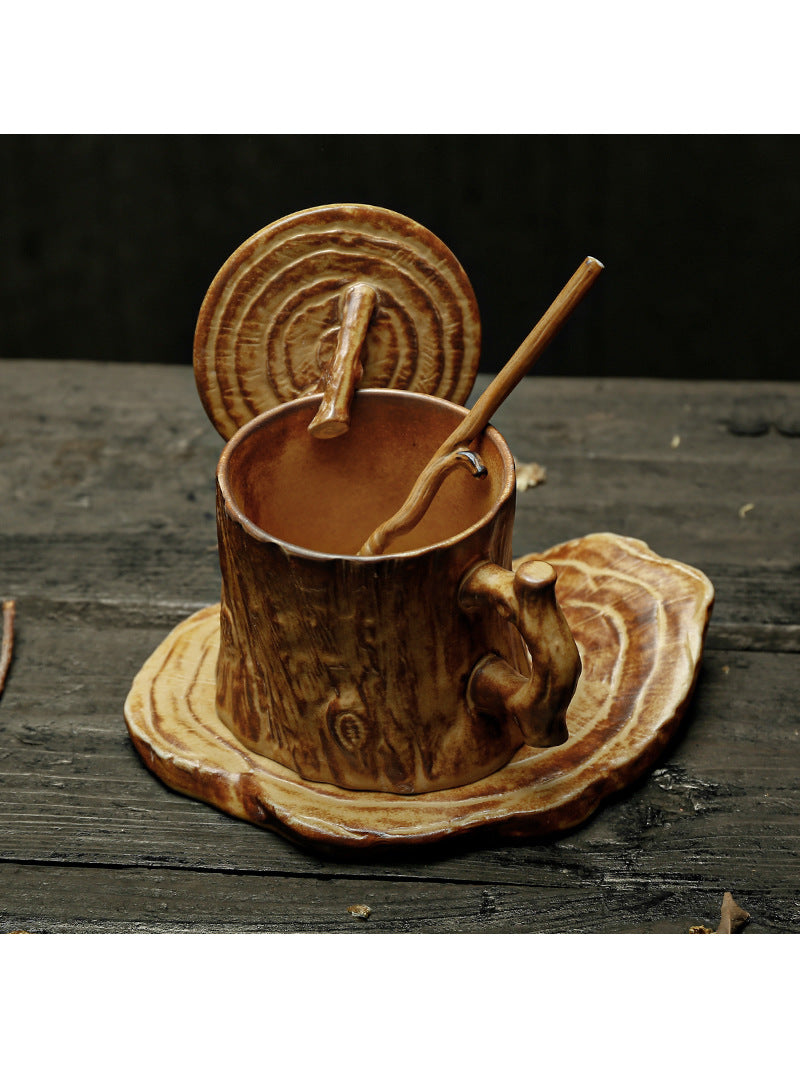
[
  {"x": 156, "y": 579},
  {"x": 65, "y": 899},
  {"x": 95, "y": 448},
  {"x": 139, "y": 432}
]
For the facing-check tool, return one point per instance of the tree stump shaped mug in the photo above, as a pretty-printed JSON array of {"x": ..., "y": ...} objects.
[{"x": 421, "y": 669}]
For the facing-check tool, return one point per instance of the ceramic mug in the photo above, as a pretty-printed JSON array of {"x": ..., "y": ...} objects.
[{"x": 420, "y": 669}]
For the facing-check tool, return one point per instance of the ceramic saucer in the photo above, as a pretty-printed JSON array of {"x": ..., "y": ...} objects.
[{"x": 639, "y": 622}]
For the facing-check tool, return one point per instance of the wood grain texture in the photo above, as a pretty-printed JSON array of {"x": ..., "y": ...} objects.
[
  {"x": 639, "y": 622},
  {"x": 268, "y": 326},
  {"x": 64, "y": 899},
  {"x": 107, "y": 541}
]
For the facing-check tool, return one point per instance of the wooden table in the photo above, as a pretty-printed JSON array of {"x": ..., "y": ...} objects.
[{"x": 107, "y": 540}]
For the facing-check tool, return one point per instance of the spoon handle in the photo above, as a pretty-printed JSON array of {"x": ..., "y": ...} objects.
[
  {"x": 528, "y": 352},
  {"x": 476, "y": 420}
]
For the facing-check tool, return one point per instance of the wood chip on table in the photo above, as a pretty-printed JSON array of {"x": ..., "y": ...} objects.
[
  {"x": 733, "y": 919},
  {"x": 360, "y": 911},
  {"x": 529, "y": 475}
]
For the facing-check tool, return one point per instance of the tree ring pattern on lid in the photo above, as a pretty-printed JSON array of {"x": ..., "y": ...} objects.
[{"x": 269, "y": 323}]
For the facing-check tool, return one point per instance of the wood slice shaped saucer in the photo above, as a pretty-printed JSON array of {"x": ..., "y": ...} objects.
[{"x": 639, "y": 621}]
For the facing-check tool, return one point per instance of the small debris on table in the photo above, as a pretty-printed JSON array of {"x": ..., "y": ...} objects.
[
  {"x": 360, "y": 911},
  {"x": 7, "y": 649},
  {"x": 745, "y": 509},
  {"x": 529, "y": 475},
  {"x": 675, "y": 442},
  {"x": 733, "y": 919}
]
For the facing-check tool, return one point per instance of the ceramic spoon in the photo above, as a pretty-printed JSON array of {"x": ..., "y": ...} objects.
[{"x": 454, "y": 449}]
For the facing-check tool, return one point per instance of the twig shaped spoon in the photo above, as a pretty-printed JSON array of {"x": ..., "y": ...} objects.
[{"x": 454, "y": 449}]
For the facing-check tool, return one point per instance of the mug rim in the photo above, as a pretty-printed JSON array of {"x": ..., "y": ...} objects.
[{"x": 313, "y": 400}]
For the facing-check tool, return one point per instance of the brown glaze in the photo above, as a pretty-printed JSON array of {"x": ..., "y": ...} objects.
[
  {"x": 270, "y": 324},
  {"x": 639, "y": 622},
  {"x": 359, "y": 671}
]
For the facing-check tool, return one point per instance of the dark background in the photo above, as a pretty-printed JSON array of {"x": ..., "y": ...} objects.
[{"x": 110, "y": 242}]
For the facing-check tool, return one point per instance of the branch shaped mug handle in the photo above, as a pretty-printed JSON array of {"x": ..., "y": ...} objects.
[{"x": 525, "y": 597}]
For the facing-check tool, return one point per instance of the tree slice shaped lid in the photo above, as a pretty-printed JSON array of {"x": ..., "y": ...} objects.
[{"x": 269, "y": 325}]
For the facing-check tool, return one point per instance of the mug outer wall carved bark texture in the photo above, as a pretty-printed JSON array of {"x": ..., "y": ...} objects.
[{"x": 354, "y": 671}]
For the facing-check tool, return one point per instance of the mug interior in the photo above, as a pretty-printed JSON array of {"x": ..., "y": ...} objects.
[{"x": 328, "y": 496}]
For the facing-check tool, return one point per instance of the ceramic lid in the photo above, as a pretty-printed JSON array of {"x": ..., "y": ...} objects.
[{"x": 330, "y": 299}]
